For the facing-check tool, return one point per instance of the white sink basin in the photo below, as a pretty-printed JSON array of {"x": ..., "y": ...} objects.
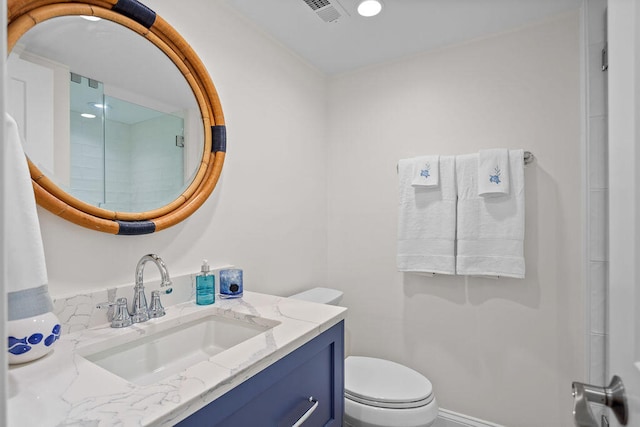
[{"x": 152, "y": 358}]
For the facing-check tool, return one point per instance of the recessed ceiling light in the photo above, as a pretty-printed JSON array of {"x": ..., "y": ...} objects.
[
  {"x": 88, "y": 116},
  {"x": 91, "y": 18},
  {"x": 369, "y": 8}
]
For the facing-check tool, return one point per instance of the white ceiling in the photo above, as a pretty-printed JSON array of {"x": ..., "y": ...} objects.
[{"x": 405, "y": 27}]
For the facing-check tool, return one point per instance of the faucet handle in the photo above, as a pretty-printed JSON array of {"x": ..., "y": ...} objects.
[
  {"x": 121, "y": 317},
  {"x": 156, "y": 309}
]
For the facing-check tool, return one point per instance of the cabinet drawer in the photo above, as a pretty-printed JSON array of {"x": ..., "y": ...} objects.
[
  {"x": 274, "y": 405},
  {"x": 280, "y": 393}
]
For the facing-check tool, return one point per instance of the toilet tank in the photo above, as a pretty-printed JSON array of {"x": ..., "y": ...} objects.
[{"x": 320, "y": 295}]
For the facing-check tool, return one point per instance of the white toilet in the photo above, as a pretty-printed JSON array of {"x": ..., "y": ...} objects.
[{"x": 380, "y": 393}]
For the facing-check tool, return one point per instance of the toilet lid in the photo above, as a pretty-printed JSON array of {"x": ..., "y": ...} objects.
[{"x": 385, "y": 384}]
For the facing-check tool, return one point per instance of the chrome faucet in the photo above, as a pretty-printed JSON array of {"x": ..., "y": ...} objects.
[{"x": 141, "y": 312}]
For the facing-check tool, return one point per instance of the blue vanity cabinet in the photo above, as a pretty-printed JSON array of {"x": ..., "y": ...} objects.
[{"x": 279, "y": 395}]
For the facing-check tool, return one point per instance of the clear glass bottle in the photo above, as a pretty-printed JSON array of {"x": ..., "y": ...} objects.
[{"x": 205, "y": 285}]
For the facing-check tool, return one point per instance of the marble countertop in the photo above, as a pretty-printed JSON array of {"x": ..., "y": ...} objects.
[{"x": 65, "y": 389}]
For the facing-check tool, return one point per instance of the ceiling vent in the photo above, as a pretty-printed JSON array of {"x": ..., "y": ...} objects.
[{"x": 328, "y": 11}]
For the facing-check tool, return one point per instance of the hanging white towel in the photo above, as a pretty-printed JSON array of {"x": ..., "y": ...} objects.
[
  {"x": 27, "y": 289},
  {"x": 426, "y": 171},
  {"x": 427, "y": 221},
  {"x": 490, "y": 234},
  {"x": 493, "y": 172}
]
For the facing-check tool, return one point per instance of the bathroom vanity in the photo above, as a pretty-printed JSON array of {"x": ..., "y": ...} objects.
[
  {"x": 258, "y": 360},
  {"x": 307, "y": 382}
]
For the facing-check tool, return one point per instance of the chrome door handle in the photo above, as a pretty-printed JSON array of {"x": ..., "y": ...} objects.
[{"x": 612, "y": 396}]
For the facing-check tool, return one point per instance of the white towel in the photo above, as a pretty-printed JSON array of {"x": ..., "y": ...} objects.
[
  {"x": 426, "y": 171},
  {"x": 427, "y": 221},
  {"x": 490, "y": 239},
  {"x": 493, "y": 172},
  {"x": 28, "y": 294}
]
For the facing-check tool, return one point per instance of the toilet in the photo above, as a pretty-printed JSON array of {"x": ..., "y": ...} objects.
[{"x": 378, "y": 392}]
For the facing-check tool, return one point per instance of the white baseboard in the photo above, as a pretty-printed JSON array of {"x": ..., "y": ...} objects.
[{"x": 452, "y": 419}]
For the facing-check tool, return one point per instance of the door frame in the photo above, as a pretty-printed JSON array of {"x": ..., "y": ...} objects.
[
  {"x": 624, "y": 198},
  {"x": 4, "y": 393}
]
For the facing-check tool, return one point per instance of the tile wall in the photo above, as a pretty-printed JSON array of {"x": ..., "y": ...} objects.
[
  {"x": 597, "y": 191},
  {"x": 87, "y": 159},
  {"x": 142, "y": 156},
  {"x": 157, "y": 172},
  {"x": 118, "y": 166}
]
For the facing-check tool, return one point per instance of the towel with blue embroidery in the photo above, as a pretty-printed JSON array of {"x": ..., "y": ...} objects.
[
  {"x": 493, "y": 172},
  {"x": 490, "y": 230},
  {"x": 426, "y": 171},
  {"x": 427, "y": 220}
]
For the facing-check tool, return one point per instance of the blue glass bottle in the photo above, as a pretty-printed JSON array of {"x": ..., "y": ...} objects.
[{"x": 205, "y": 286}]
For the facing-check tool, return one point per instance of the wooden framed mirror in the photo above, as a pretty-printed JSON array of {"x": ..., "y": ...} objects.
[{"x": 141, "y": 23}]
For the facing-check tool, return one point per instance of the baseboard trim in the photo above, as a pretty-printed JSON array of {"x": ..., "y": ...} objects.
[{"x": 448, "y": 418}]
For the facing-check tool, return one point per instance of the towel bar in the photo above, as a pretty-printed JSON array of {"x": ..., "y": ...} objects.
[{"x": 528, "y": 158}]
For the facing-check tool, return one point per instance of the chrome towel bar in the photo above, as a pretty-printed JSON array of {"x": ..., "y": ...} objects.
[{"x": 528, "y": 158}]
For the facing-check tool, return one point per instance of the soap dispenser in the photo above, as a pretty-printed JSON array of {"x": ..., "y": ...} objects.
[{"x": 205, "y": 285}]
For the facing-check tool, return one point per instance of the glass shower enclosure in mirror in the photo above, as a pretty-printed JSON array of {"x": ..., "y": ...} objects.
[
  {"x": 98, "y": 117},
  {"x": 124, "y": 156}
]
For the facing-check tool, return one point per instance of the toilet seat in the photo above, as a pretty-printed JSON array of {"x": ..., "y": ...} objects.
[{"x": 385, "y": 384}]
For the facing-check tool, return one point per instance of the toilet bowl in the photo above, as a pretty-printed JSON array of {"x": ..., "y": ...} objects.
[
  {"x": 381, "y": 393},
  {"x": 378, "y": 392}
]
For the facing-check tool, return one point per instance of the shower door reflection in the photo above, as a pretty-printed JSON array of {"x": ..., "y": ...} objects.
[{"x": 124, "y": 156}]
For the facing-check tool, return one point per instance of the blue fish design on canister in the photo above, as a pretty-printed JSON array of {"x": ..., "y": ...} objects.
[
  {"x": 55, "y": 335},
  {"x": 19, "y": 349},
  {"x": 35, "y": 338},
  {"x": 13, "y": 341}
]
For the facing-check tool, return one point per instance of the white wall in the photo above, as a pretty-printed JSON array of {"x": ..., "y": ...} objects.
[
  {"x": 501, "y": 350},
  {"x": 624, "y": 197},
  {"x": 268, "y": 212}
]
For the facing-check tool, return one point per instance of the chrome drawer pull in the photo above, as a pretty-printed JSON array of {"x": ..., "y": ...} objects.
[{"x": 307, "y": 414}]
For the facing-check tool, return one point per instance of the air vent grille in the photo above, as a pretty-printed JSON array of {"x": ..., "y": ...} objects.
[
  {"x": 317, "y": 4},
  {"x": 328, "y": 11},
  {"x": 329, "y": 14}
]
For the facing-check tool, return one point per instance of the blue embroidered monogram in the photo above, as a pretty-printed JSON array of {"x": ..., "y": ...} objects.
[
  {"x": 425, "y": 172},
  {"x": 493, "y": 172},
  {"x": 495, "y": 178}
]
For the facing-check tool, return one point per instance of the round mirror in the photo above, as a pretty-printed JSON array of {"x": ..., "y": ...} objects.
[{"x": 121, "y": 124}]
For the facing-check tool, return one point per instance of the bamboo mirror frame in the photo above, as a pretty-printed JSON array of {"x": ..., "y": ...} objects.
[{"x": 22, "y": 15}]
